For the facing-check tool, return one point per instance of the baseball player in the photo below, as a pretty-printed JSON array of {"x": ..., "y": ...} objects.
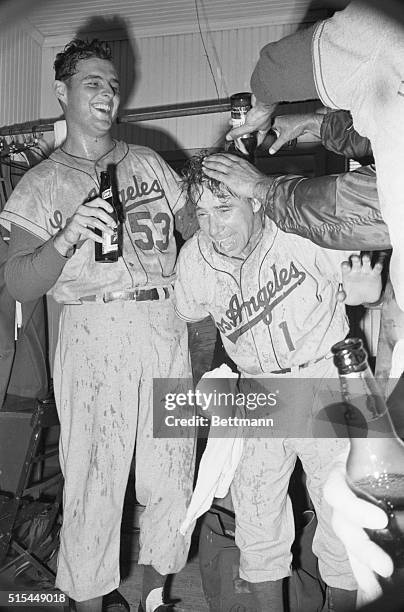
[
  {"x": 274, "y": 299},
  {"x": 118, "y": 330}
]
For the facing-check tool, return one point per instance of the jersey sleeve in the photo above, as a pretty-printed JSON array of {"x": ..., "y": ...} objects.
[
  {"x": 284, "y": 70},
  {"x": 188, "y": 304},
  {"x": 28, "y": 206}
]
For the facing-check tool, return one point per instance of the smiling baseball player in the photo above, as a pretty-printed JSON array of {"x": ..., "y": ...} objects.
[
  {"x": 274, "y": 299},
  {"x": 118, "y": 330}
]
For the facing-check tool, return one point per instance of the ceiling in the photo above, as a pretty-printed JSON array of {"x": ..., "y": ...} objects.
[{"x": 62, "y": 18}]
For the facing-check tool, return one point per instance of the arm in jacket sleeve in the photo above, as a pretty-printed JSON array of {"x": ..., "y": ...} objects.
[
  {"x": 33, "y": 266},
  {"x": 339, "y": 136},
  {"x": 339, "y": 211}
]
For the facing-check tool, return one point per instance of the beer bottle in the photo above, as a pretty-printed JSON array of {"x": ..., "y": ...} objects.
[
  {"x": 244, "y": 146},
  {"x": 110, "y": 249},
  {"x": 375, "y": 465}
]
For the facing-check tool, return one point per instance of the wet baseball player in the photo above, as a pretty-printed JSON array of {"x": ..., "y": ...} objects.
[
  {"x": 118, "y": 330},
  {"x": 274, "y": 299}
]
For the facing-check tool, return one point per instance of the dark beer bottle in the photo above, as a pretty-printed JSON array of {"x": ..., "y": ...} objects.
[
  {"x": 375, "y": 465},
  {"x": 240, "y": 105},
  {"x": 110, "y": 249}
]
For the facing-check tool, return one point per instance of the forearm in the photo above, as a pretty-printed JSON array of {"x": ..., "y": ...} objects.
[
  {"x": 33, "y": 267},
  {"x": 339, "y": 211},
  {"x": 339, "y": 136}
]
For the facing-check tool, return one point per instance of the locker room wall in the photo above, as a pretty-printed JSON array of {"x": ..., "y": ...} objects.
[
  {"x": 20, "y": 74},
  {"x": 172, "y": 69}
]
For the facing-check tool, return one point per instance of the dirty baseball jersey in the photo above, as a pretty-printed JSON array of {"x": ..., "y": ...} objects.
[
  {"x": 50, "y": 193},
  {"x": 275, "y": 309}
]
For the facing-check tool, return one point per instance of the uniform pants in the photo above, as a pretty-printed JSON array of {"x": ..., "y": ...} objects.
[
  {"x": 105, "y": 362},
  {"x": 264, "y": 517}
]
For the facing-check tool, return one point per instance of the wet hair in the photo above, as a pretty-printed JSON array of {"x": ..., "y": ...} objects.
[
  {"x": 194, "y": 180},
  {"x": 65, "y": 64}
]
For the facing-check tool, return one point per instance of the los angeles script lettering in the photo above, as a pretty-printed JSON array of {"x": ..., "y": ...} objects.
[
  {"x": 262, "y": 304},
  {"x": 138, "y": 193}
]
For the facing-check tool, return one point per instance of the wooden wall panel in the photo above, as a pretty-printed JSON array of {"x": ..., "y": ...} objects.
[{"x": 20, "y": 76}]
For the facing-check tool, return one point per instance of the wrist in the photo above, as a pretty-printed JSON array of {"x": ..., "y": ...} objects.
[
  {"x": 62, "y": 246},
  {"x": 374, "y": 305},
  {"x": 264, "y": 105},
  {"x": 265, "y": 108},
  {"x": 261, "y": 189},
  {"x": 313, "y": 124}
]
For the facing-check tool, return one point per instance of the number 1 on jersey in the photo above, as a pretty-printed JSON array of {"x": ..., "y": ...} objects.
[{"x": 284, "y": 327}]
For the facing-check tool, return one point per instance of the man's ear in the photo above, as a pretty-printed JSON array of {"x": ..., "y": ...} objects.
[
  {"x": 60, "y": 89},
  {"x": 256, "y": 204}
]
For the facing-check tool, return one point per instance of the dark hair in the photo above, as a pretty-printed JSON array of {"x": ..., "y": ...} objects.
[
  {"x": 76, "y": 50},
  {"x": 194, "y": 180}
]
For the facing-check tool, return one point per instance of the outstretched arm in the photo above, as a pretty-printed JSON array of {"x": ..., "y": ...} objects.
[
  {"x": 339, "y": 211},
  {"x": 334, "y": 129}
]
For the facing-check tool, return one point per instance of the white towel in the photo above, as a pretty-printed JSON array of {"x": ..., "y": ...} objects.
[{"x": 218, "y": 464}]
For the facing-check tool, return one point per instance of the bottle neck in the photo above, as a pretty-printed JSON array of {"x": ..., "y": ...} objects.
[{"x": 366, "y": 410}]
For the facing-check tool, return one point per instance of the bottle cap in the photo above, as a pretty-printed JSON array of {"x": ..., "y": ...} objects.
[{"x": 241, "y": 99}]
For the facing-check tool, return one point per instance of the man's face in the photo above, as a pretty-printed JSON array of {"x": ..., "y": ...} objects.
[
  {"x": 91, "y": 96},
  {"x": 229, "y": 223}
]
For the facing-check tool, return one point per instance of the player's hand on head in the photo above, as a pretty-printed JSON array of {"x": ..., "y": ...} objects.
[
  {"x": 81, "y": 225},
  {"x": 361, "y": 281},
  {"x": 350, "y": 517},
  {"x": 289, "y": 127},
  {"x": 235, "y": 172},
  {"x": 258, "y": 119}
]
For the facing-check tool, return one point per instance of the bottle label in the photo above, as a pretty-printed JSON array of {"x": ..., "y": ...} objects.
[
  {"x": 107, "y": 193},
  {"x": 238, "y": 115},
  {"x": 109, "y": 243}
]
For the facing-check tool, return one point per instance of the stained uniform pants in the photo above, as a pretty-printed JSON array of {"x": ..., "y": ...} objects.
[
  {"x": 264, "y": 517},
  {"x": 106, "y": 358}
]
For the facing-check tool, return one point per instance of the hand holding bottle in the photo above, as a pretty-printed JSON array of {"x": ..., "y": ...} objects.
[
  {"x": 87, "y": 217},
  {"x": 351, "y": 516},
  {"x": 374, "y": 469},
  {"x": 258, "y": 119}
]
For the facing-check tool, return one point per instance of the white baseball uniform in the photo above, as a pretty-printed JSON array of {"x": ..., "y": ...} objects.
[
  {"x": 106, "y": 359},
  {"x": 276, "y": 309}
]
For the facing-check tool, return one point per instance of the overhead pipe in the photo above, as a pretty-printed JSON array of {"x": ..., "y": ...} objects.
[{"x": 152, "y": 113}]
